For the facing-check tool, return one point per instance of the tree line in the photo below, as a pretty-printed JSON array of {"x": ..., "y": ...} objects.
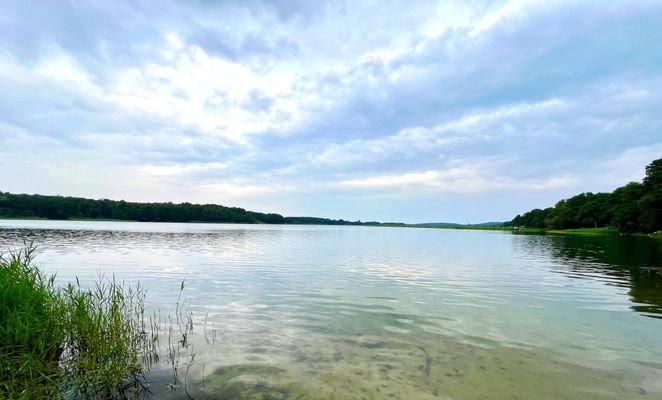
[
  {"x": 635, "y": 207},
  {"x": 327, "y": 221},
  {"x": 60, "y": 207}
]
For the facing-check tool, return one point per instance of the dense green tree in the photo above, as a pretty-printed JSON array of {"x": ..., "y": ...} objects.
[
  {"x": 327, "y": 221},
  {"x": 58, "y": 207},
  {"x": 532, "y": 219},
  {"x": 625, "y": 208},
  {"x": 635, "y": 207},
  {"x": 650, "y": 202}
]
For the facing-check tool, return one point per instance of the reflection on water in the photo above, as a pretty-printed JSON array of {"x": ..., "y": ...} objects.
[
  {"x": 363, "y": 312},
  {"x": 630, "y": 262}
]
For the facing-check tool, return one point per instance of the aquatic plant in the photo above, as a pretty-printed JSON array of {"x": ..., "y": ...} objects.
[
  {"x": 106, "y": 340},
  {"x": 70, "y": 342},
  {"x": 31, "y": 329}
]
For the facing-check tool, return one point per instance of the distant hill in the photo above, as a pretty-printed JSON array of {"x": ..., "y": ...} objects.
[
  {"x": 438, "y": 224},
  {"x": 489, "y": 224}
]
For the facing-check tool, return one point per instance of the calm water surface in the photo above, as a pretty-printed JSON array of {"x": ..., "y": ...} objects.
[{"x": 323, "y": 312}]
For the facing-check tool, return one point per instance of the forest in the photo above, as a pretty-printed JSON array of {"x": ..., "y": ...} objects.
[
  {"x": 635, "y": 207},
  {"x": 327, "y": 221},
  {"x": 59, "y": 207}
]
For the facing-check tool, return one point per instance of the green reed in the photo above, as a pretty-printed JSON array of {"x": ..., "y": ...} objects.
[
  {"x": 31, "y": 329},
  {"x": 106, "y": 340},
  {"x": 70, "y": 342}
]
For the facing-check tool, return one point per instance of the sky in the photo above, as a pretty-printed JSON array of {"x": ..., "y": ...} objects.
[{"x": 417, "y": 111}]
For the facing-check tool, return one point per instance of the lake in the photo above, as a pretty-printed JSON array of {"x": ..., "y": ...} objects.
[{"x": 344, "y": 312}]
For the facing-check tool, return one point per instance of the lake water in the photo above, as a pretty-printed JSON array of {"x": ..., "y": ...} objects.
[{"x": 326, "y": 312}]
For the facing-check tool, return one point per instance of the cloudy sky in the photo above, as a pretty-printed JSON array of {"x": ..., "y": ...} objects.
[{"x": 463, "y": 111}]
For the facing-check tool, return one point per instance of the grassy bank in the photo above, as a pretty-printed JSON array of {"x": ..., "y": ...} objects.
[
  {"x": 584, "y": 231},
  {"x": 68, "y": 342},
  {"x": 605, "y": 231}
]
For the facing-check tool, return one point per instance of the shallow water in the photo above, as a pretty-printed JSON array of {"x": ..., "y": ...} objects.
[{"x": 323, "y": 312}]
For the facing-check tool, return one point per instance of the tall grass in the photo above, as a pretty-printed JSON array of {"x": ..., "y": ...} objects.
[
  {"x": 69, "y": 342},
  {"x": 31, "y": 329},
  {"x": 106, "y": 340}
]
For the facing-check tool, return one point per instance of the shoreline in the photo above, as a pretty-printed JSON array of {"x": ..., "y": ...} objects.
[{"x": 542, "y": 231}]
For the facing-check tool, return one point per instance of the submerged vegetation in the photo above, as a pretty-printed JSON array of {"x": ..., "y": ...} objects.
[
  {"x": 635, "y": 207},
  {"x": 69, "y": 342}
]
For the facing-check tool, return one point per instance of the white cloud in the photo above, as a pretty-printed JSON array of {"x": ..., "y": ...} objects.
[
  {"x": 232, "y": 191},
  {"x": 504, "y": 14},
  {"x": 628, "y": 166},
  {"x": 475, "y": 179},
  {"x": 469, "y": 129},
  {"x": 61, "y": 67},
  {"x": 427, "y": 178},
  {"x": 199, "y": 90},
  {"x": 181, "y": 169}
]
